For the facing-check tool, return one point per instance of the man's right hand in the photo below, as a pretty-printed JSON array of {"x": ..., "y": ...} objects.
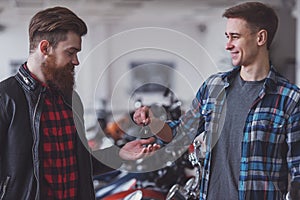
[{"x": 142, "y": 116}]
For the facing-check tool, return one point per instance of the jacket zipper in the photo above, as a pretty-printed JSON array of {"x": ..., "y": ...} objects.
[
  {"x": 4, "y": 187},
  {"x": 33, "y": 150}
]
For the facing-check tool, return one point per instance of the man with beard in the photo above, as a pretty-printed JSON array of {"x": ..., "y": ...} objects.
[{"x": 43, "y": 149}]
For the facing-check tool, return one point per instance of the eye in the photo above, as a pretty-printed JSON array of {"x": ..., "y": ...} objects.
[
  {"x": 70, "y": 52},
  {"x": 232, "y": 36},
  {"x": 235, "y": 37}
]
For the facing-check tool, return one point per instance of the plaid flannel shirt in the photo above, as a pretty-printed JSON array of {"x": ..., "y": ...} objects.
[
  {"x": 271, "y": 138},
  {"x": 59, "y": 173}
]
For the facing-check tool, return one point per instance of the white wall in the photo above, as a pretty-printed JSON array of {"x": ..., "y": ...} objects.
[{"x": 14, "y": 47}]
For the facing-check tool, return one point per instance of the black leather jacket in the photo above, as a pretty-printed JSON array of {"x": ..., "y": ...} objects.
[{"x": 21, "y": 108}]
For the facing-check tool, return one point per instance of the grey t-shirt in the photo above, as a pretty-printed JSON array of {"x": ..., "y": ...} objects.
[{"x": 226, "y": 154}]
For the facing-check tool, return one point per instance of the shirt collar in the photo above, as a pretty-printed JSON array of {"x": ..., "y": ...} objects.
[
  {"x": 33, "y": 76},
  {"x": 270, "y": 83},
  {"x": 36, "y": 81},
  {"x": 25, "y": 78}
]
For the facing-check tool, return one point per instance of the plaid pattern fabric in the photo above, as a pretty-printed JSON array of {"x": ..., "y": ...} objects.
[
  {"x": 271, "y": 137},
  {"x": 58, "y": 169}
]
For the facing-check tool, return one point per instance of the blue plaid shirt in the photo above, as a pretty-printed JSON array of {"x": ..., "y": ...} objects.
[{"x": 271, "y": 138}]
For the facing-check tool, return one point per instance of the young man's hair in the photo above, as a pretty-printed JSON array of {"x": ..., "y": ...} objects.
[
  {"x": 258, "y": 15},
  {"x": 53, "y": 24}
]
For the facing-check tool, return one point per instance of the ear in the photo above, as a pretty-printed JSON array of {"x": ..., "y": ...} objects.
[
  {"x": 44, "y": 47},
  {"x": 262, "y": 37}
]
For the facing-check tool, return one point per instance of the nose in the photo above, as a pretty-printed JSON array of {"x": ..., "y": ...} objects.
[
  {"x": 75, "y": 60},
  {"x": 229, "y": 45}
]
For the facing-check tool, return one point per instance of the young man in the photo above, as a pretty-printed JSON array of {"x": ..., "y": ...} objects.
[
  {"x": 250, "y": 116},
  {"x": 43, "y": 149}
]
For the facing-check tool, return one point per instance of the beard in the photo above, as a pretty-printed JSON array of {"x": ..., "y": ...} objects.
[{"x": 61, "y": 79}]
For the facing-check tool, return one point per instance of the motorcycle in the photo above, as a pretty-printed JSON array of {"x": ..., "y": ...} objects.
[
  {"x": 191, "y": 189},
  {"x": 152, "y": 185},
  {"x": 136, "y": 179}
]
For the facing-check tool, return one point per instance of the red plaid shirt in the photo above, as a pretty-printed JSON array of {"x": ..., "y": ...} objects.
[{"x": 58, "y": 163}]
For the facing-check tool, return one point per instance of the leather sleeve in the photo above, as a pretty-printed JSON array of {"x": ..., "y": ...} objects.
[{"x": 105, "y": 160}]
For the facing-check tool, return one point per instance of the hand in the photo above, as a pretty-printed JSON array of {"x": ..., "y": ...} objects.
[
  {"x": 141, "y": 116},
  {"x": 137, "y": 149}
]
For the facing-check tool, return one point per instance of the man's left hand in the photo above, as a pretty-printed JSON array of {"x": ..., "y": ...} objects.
[{"x": 137, "y": 149}]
